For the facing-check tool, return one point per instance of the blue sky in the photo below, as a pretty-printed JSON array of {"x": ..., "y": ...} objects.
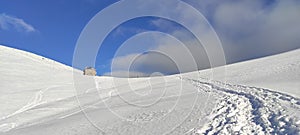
[
  {"x": 57, "y": 25},
  {"x": 247, "y": 30}
]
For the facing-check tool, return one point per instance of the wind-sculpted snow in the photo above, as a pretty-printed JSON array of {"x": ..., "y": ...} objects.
[{"x": 249, "y": 110}]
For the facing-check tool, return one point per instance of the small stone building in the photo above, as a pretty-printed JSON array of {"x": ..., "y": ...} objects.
[{"x": 89, "y": 71}]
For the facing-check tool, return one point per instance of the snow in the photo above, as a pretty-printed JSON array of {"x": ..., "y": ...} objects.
[
  {"x": 41, "y": 96},
  {"x": 278, "y": 72}
]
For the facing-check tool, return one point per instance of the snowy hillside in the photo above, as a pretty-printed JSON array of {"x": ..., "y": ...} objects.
[
  {"x": 278, "y": 72},
  {"x": 41, "y": 96}
]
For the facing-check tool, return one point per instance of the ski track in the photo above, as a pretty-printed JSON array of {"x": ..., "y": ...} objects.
[{"x": 248, "y": 110}]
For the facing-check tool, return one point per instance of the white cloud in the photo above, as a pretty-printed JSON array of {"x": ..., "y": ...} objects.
[
  {"x": 122, "y": 31},
  {"x": 252, "y": 29},
  {"x": 168, "y": 57},
  {"x": 126, "y": 74},
  {"x": 123, "y": 62},
  {"x": 247, "y": 29},
  {"x": 8, "y": 22}
]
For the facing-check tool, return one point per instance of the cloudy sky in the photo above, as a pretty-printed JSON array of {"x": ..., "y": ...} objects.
[{"x": 247, "y": 29}]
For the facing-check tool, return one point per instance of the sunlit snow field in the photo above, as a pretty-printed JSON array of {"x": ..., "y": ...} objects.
[{"x": 41, "y": 96}]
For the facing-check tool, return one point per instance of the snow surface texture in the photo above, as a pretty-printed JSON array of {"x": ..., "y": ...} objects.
[{"x": 41, "y": 96}]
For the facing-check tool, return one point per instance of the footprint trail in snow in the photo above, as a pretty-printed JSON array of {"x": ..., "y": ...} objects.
[{"x": 248, "y": 110}]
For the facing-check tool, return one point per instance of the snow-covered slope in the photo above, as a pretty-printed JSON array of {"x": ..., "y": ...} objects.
[
  {"x": 41, "y": 96},
  {"x": 28, "y": 80},
  {"x": 279, "y": 72}
]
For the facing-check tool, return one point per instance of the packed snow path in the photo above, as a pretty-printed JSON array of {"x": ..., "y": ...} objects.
[{"x": 249, "y": 110}]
